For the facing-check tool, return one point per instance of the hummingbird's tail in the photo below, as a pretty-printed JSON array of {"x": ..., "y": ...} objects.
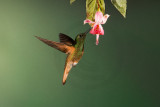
[
  {"x": 60, "y": 46},
  {"x": 68, "y": 67}
]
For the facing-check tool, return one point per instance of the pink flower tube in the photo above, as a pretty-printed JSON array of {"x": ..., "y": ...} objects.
[{"x": 97, "y": 28}]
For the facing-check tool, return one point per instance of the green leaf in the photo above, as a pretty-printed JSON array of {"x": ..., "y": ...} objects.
[
  {"x": 71, "y": 1},
  {"x": 92, "y": 8},
  {"x": 121, "y": 6}
]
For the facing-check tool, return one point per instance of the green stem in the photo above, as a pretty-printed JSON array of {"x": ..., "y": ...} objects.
[{"x": 98, "y": 4}]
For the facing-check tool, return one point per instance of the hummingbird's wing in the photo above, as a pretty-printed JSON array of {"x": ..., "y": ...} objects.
[
  {"x": 60, "y": 46},
  {"x": 66, "y": 39},
  {"x": 68, "y": 66}
]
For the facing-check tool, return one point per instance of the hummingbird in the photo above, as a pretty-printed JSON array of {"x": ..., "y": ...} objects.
[{"x": 73, "y": 48}]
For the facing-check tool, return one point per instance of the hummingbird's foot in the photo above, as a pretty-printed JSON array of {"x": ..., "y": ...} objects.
[{"x": 74, "y": 64}]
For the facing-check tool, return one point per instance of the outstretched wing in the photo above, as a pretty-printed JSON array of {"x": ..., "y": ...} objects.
[
  {"x": 68, "y": 66},
  {"x": 60, "y": 46},
  {"x": 66, "y": 39}
]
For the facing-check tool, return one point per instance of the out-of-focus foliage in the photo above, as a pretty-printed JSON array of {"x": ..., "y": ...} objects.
[
  {"x": 92, "y": 8},
  {"x": 121, "y": 6},
  {"x": 71, "y": 1}
]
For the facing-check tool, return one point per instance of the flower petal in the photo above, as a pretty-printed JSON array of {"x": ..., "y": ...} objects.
[
  {"x": 101, "y": 32},
  {"x": 88, "y": 21},
  {"x": 97, "y": 29},
  {"x": 97, "y": 39},
  {"x": 98, "y": 17},
  {"x": 105, "y": 17},
  {"x": 92, "y": 31}
]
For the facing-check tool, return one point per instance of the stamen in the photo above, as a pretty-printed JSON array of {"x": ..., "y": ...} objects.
[{"x": 97, "y": 39}]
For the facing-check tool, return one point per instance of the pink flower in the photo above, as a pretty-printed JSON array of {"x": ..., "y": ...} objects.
[{"x": 97, "y": 28}]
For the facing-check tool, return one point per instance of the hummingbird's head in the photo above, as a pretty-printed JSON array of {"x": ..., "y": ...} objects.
[{"x": 81, "y": 37}]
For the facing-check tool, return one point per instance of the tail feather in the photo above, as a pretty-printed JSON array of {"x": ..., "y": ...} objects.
[{"x": 68, "y": 67}]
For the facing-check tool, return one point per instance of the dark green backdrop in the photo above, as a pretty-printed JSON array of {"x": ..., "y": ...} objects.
[{"x": 122, "y": 71}]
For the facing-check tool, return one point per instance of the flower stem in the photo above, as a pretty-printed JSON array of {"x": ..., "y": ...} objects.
[{"x": 98, "y": 3}]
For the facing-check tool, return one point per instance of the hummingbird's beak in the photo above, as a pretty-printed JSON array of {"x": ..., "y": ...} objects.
[{"x": 87, "y": 31}]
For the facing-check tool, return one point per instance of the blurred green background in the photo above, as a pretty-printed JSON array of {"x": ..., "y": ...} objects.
[{"x": 122, "y": 71}]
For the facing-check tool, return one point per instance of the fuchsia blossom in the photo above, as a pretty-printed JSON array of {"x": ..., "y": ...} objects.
[{"x": 97, "y": 28}]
